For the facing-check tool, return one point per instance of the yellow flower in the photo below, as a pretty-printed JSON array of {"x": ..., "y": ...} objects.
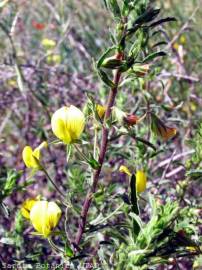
[
  {"x": 141, "y": 178},
  {"x": 32, "y": 158},
  {"x": 124, "y": 169},
  {"x": 53, "y": 59},
  {"x": 100, "y": 110},
  {"x": 68, "y": 124},
  {"x": 183, "y": 39},
  {"x": 48, "y": 43},
  {"x": 45, "y": 216},
  {"x": 26, "y": 207},
  {"x": 141, "y": 181},
  {"x": 176, "y": 46}
]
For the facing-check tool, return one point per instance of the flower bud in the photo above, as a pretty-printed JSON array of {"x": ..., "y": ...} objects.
[
  {"x": 68, "y": 124},
  {"x": 141, "y": 181},
  {"x": 32, "y": 158},
  {"x": 100, "y": 110},
  {"x": 141, "y": 70},
  {"x": 131, "y": 120},
  {"x": 124, "y": 169},
  {"x": 112, "y": 63},
  {"x": 45, "y": 216},
  {"x": 26, "y": 207}
]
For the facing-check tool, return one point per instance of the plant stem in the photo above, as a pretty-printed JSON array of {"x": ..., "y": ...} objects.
[
  {"x": 80, "y": 153},
  {"x": 53, "y": 183},
  {"x": 103, "y": 149}
]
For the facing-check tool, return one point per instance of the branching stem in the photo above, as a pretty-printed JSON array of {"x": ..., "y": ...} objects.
[{"x": 103, "y": 149}]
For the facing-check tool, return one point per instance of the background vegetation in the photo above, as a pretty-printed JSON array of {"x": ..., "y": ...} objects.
[{"x": 36, "y": 79}]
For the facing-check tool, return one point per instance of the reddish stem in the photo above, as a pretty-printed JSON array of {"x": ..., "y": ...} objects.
[{"x": 103, "y": 149}]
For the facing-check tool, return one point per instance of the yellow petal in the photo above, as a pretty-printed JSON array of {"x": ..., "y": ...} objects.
[
  {"x": 141, "y": 181},
  {"x": 100, "y": 110},
  {"x": 28, "y": 158},
  {"x": 38, "y": 217},
  {"x": 124, "y": 169},
  {"x": 48, "y": 43},
  {"x": 75, "y": 122},
  {"x": 56, "y": 58},
  {"x": 54, "y": 214},
  {"x": 26, "y": 207},
  {"x": 68, "y": 124},
  {"x": 37, "y": 151},
  {"x": 44, "y": 217},
  {"x": 58, "y": 124}
]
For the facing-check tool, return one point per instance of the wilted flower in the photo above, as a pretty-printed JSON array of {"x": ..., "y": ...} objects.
[
  {"x": 48, "y": 43},
  {"x": 100, "y": 110},
  {"x": 38, "y": 26},
  {"x": 26, "y": 207},
  {"x": 131, "y": 120},
  {"x": 31, "y": 157},
  {"x": 124, "y": 169},
  {"x": 141, "y": 181},
  {"x": 68, "y": 124},
  {"x": 160, "y": 129},
  {"x": 45, "y": 216},
  {"x": 141, "y": 70}
]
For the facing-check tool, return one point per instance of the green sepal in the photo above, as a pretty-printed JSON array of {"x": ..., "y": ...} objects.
[
  {"x": 93, "y": 162},
  {"x": 112, "y": 63},
  {"x": 104, "y": 55}
]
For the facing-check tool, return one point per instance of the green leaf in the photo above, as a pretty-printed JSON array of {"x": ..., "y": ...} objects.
[
  {"x": 153, "y": 56},
  {"x": 137, "y": 223},
  {"x": 69, "y": 252},
  {"x": 93, "y": 162},
  {"x": 133, "y": 195},
  {"x": 147, "y": 16},
  {"x": 104, "y": 55},
  {"x": 159, "y": 22},
  {"x": 105, "y": 78},
  {"x": 114, "y": 7}
]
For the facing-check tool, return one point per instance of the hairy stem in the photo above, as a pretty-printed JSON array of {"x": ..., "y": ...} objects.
[{"x": 103, "y": 149}]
